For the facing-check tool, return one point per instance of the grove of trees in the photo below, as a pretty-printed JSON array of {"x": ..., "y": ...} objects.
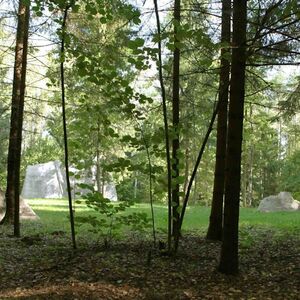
[{"x": 178, "y": 102}]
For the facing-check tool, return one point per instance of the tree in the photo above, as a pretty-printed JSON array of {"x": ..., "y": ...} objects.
[
  {"x": 17, "y": 109},
  {"x": 176, "y": 121},
  {"x": 63, "y": 99},
  {"x": 4, "y": 114},
  {"x": 216, "y": 217},
  {"x": 229, "y": 251}
]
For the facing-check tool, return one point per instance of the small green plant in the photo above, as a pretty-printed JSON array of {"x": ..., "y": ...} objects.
[
  {"x": 112, "y": 216},
  {"x": 246, "y": 237}
]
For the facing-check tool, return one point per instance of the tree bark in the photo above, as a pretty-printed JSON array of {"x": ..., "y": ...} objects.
[
  {"x": 98, "y": 161},
  {"x": 216, "y": 216},
  {"x": 63, "y": 100},
  {"x": 187, "y": 166},
  {"x": 229, "y": 251},
  {"x": 16, "y": 122},
  {"x": 176, "y": 121},
  {"x": 166, "y": 126}
]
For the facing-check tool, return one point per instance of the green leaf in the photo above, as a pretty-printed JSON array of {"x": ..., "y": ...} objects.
[
  {"x": 103, "y": 20},
  {"x": 134, "y": 44},
  {"x": 136, "y": 20}
]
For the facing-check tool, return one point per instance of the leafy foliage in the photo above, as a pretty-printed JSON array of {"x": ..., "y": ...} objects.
[{"x": 111, "y": 219}]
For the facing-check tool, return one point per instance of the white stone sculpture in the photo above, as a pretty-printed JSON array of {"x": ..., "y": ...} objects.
[
  {"x": 44, "y": 181},
  {"x": 48, "y": 180},
  {"x": 26, "y": 212}
]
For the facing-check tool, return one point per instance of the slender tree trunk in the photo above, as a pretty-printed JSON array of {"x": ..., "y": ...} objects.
[
  {"x": 150, "y": 186},
  {"x": 250, "y": 190},
  {"x": 98, "y": 168},
  {"x": 135, "y": 188},
  {"x": 98, "y": 173},
  {"x": 103, "y": 182},
  {"x": 216, "y": 216},
  {"x": 251, "y": 157},
  {"x": 229, "y": 251},
  {"x": 16, "y": 125},
  {"x": 193, "y": 175},
  {"x": 166, "y": 126},
  {"x": 176, "y": 121},
  {"x": 62, "y": 77},
  {"x": 187, "y": 167},
  {"x": 244, "y": 180}
]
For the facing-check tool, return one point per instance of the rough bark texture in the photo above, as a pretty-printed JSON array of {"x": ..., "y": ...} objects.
[
  {"x": 16, "y": 122},
  {"x": 176, "y": 109},
  {"x": 216, "y": 216},
  {"x": 229, "y": 251}
]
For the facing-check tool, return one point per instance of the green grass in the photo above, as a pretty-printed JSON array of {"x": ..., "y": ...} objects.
[{"x": 53, "y": 216}]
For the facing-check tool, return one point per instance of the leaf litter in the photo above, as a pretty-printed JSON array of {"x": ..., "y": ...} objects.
[{"x": 46, "y": 267}]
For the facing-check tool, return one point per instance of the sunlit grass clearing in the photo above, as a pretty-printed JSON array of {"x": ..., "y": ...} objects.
[{"x": 53, "y": 215}]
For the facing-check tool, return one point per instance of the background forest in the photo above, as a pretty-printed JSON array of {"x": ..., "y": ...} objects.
[
  {"x": 110, "y": 64},
  {"x": 175, "y": 102}
]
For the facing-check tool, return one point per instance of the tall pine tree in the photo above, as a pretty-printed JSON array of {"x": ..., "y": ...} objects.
[{"x": 229, "y": 250}]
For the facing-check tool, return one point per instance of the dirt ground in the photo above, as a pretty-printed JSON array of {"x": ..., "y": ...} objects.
[{"x": 46, "y": 267}]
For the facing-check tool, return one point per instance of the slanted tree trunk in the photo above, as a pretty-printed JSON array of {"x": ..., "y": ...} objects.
[
  {"x": 216, "y": 216},
  {"x": 229, "y": 251},
  {"x": 176, "y": 110},
  {"x": 16, "y": 122}
]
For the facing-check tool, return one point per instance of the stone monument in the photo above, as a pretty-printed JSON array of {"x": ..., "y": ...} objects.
[
  {"x": 26, "y": 212},
  {"x": 44, "y": 181}
]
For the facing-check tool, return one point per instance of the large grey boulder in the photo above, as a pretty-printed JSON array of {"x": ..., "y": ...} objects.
[
  {"x": 26, "y": 212},
  {"x": 281, "y": 202}
]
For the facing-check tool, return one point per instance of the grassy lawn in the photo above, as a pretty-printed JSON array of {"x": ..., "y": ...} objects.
[{"x": 53, "y": 216}]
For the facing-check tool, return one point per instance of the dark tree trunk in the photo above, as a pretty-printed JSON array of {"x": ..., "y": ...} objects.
[
  {"x": 216, "y": 216},
  {"x": 176, "y": 109},
  {"x": 62, "y": 78},
  {"x": 229, "y": 250},
  {"x": 166, "y": 126},
  {"x": 16, "y": 123}
]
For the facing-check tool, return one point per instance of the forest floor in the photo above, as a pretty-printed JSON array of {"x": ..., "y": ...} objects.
[{"x": 46, "y": 267}]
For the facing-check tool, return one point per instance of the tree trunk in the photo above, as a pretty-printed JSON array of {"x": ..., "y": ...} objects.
[
  {"x": 250, "y": 190},
  {"x": 135, "y": 188},
  {"x": 216, "y": 216},
  {"x": 176, "y": 109},
  {"x": 98, "y": 161},
  {"x": 187, "y": 167},
  {"x": 16, "y": 123},
  {"x": 251, "y": 157},
  {"x": 166, "y": 126},
  {"x": 63, "y": 100},
  {"x": 229, "y": 251}
]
